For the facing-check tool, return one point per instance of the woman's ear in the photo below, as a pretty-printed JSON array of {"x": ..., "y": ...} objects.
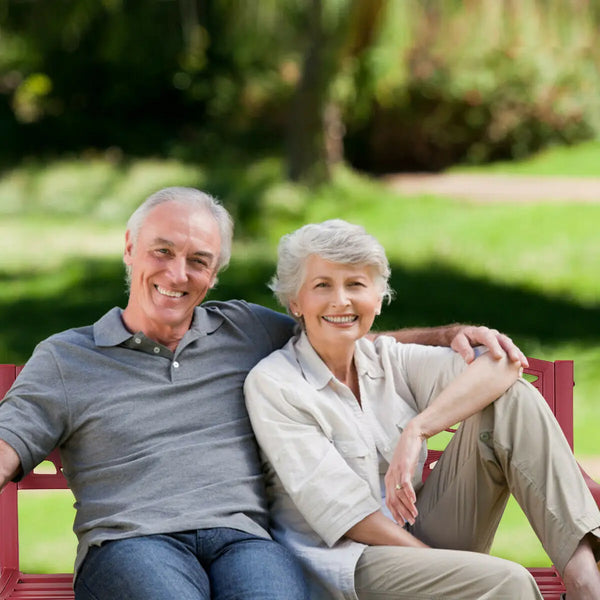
[{"x": 295, "y": 309}]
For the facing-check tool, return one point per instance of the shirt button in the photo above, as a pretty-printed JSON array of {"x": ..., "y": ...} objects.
[
  {"x": 156, "y": 349},
  {"x": 175, "y": 364},
  {"x": 137, "y": 340}
]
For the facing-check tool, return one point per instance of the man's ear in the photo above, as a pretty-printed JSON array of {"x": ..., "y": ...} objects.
[{"x": 128, "y": 252}]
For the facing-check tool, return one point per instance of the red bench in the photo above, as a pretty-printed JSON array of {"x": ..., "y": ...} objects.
[{"x": 554, "y": 380}]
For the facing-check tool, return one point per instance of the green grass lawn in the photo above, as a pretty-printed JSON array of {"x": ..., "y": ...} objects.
[
  {"x": 569, "y": 161},
  {"x": 529, "y": 270}
]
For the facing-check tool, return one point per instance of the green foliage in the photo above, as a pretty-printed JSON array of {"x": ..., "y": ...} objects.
[
  {"x": 496, "y": 80},
  {"x": 417, "y": 84}
]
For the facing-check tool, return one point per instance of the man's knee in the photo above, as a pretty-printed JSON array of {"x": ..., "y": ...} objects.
[
  {"x": 258, "y": 569},
  {"x": 142, "y": 568}
]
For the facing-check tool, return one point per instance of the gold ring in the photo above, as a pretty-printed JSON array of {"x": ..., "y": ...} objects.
[{"x": 398, "y": 486}]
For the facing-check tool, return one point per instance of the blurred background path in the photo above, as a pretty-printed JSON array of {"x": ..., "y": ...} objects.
[{"x": 494, "y": 188}]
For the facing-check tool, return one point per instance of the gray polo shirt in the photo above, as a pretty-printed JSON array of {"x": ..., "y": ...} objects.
[{"x": 152, "y": 441}]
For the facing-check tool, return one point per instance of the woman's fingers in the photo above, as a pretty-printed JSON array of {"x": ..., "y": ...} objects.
[
  {"x": 407, "y": 497},
  {"x": 401, "y": 500}
]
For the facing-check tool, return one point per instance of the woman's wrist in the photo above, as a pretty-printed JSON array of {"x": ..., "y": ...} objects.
[{"x": 417, "y": 428}]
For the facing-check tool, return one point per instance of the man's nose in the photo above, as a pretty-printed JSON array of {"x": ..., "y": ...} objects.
[{"x": 178, "y": 270}]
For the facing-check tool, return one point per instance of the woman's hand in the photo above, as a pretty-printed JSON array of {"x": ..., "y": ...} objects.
[{"x": 400, "y": 495}]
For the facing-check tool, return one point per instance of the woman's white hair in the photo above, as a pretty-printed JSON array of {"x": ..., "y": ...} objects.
[
  {"x": 335, "y": 240},
  {"x": 191, "y": 197}
]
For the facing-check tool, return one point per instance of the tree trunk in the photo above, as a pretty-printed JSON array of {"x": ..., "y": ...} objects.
[{"x": 306, "y": 140}]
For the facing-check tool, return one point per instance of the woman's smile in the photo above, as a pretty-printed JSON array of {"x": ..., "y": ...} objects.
[{"x": 341, "y": 319}]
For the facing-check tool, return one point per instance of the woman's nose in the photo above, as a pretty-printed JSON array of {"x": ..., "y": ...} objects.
[{"x": 340, "y": 298}]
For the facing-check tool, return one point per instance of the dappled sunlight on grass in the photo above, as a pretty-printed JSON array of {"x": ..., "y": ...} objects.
[{"x": 43, "y": 244}]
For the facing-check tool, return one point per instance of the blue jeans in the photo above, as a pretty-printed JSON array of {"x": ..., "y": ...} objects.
[{"x": 220, "y": 563}]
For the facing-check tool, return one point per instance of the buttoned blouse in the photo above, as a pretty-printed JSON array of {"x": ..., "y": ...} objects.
[{"x": 325, "y": 455}]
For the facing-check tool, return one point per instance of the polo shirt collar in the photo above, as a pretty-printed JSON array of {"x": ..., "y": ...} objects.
[
  {"x": 317, "y": 373},
  {"x": 110, "y": 330}
]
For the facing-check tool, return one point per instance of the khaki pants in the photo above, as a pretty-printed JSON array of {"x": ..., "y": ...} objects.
[{"x": 513, "y": 446}]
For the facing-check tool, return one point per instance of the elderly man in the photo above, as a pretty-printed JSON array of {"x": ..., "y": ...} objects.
[{"x": 146, "y": 407}]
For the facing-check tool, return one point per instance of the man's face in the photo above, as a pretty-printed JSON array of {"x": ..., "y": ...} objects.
[{"x": 173, "y": 265}]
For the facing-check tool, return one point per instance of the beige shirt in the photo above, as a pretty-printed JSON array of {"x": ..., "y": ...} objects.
[{"x": 325, "y": 455}]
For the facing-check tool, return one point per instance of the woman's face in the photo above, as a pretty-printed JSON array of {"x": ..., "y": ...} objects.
[{"x": 337, "y": 301}]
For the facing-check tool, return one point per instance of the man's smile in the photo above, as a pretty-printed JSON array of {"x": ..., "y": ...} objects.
[{"x": 169, "y": 293}]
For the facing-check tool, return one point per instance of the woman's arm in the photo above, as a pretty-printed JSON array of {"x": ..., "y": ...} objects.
[
  {"x": 482, "y": 382},
  {"x": 377, "y": 530}
]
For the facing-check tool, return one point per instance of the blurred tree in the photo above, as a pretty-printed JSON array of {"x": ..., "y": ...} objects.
[
  {"x": 384, "y": 85},
  {"x": 336, "y": 37}
]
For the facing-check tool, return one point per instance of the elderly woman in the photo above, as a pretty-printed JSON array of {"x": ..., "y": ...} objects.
[{"x": 342, "y": 422}]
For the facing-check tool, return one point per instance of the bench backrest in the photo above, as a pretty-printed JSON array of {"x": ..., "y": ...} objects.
[{"x": 554, "y": 380}]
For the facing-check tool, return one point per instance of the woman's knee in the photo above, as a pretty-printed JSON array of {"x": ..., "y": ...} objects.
[
  {"x": 522, "y": 409},
  {"x": 512, "y": 580}
]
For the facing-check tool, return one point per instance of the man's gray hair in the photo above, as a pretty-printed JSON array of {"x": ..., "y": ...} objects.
[
  {"x": 191, "y": 197},
  {"x": 334, "y": 240}
]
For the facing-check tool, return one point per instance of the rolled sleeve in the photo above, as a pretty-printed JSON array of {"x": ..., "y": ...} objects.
[
  {"x": 327, "y": 492},
  {"x": 428, "y": 370},
  {"x": 34, "y": 413}
]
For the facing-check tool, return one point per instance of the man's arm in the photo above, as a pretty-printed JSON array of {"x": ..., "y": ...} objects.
[
  {"x": 461, "y": 338},
  {"x": 10, "y": 465}
]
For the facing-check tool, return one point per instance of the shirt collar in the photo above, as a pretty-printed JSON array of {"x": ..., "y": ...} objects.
[
  {"x": 317, "y": 373},
  {"x": 110, "y": 330}
]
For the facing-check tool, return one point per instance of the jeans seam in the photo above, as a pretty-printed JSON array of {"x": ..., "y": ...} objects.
[{"x": 87, "y": 589}]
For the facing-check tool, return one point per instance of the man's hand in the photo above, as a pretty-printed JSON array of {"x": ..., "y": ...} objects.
[{"x": 497, "y": 343}]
